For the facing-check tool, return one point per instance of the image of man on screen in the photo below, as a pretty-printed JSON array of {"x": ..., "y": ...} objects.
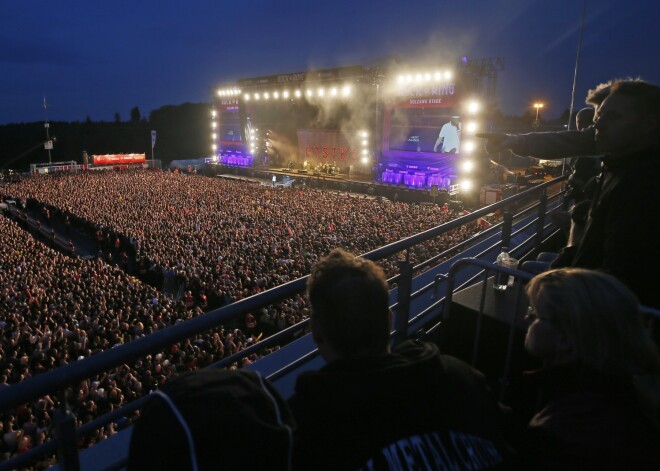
[{"x": 449, "y": 137}]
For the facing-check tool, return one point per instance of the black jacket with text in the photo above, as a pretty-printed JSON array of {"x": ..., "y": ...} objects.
[{"x": 411, "y": 409}]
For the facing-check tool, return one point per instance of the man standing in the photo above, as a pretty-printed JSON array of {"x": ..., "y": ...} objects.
[
  {"x": 371, "y": 408},
  {"x": 449, "y": 137},
  {"x": 618, "y": 237}
]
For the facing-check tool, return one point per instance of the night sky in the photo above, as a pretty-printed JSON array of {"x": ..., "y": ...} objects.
[{"x": 95, "y": 59}]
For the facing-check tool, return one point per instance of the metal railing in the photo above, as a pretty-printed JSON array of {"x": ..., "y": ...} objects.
[{"x": 411, "y": 288}]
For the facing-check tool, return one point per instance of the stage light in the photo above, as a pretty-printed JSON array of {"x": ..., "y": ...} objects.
[
  {"x": 252, "y": 138},
  {"x": 213, "y": 113},
  {"x": 256, "y": 96},
  {"x": 346, "y": 91},
  {"x": 473, "y": 107},
  {"x": 437, "y": 76},
  {"x": 365, "y": 160},
  {"x": 214, "y": 147},
  {"x": 468, "y": 166},
  {"x": 214, "y": 136},
  {"x": 310, "y": 93},
  {"x": 468, "y": 146},
  {"x": 298, "y": 94},
  {"x": 427, "y": 77},
  {"x": 276, "y": 95},
  {"x": 285, "y": 94},
  {"x": 214, "y": 124},
  {"x": 266, "y": 95},
  {"x": 400, "y": 79},
  {"x": 466, "y": 185},
  {"x": 321, "y": 92},
  {"x": 365, "y": 151},
  {"x": 409, "y": 78},
  {"x": 448, "y": 75},
  {"x": 219, "y": 92},
  {"x": 418, "y": 78},
  {"x": 471, "y": 127},
  {"x": 333, "y": 91},
  {"x": 365, "y": 142},
  {"x": 246, "y": 97}
]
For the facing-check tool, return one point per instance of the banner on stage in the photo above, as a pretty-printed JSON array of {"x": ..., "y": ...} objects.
[{"x": 115, "y": 159}]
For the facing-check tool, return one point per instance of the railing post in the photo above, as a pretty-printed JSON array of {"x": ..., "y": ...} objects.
[
  {"x": 507, "y": 222},
  {"x": 404, "y": 289},
  {"x": 540, "y": 222},
  {"x": 65, "y": 431}
]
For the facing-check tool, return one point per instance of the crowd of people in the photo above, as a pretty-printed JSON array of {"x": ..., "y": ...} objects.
[{"x": 220, "y": 240}]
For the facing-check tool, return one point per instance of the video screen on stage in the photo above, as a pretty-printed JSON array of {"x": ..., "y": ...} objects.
[
  {"x": 229, "y": 124},
  {"x": 436, "y": 130}
]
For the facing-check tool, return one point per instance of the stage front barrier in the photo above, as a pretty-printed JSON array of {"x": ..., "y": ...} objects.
[
  {"x": 241, "y": 161},
  {"x": 416, "y": 180}
]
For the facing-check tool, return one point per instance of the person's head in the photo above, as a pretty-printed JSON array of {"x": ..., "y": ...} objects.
[
  {"x": 584, "y": 118},
  {"x": 628, "y": 120},
  {"x": 350, "y": 310},
  {"x": 454, "y": 120},
  {"x": 213, "y": 419},
  {"x": 589, "y": 318}
]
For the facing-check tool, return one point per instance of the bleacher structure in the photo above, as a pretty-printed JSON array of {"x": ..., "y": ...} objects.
[{"x": 447, "y": 300}]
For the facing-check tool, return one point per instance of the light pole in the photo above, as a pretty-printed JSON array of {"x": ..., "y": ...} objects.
[
  {"x": 49, "y": 144},
  {"x": 538, "y": 107}
]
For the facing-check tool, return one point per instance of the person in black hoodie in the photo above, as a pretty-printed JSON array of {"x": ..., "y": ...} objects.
[{"x": 371, "y": 408}]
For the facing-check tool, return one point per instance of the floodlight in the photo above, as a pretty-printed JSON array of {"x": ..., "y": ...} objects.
[
  {"x": 285, "y": 94},
  {"x": 346, "y": 90},
  {"x": 266, "y": 95},
  {"x": 448, "y": 75},
  {"x": 468, "y": 146},
  {"x": 297, "y": 93},
  {"x": 473, "y": 107},
  {"x": 468, "y": 166},
  {"x": 365, "y": 160},
  {"x": 276, "y": 95},
  {"x": 321, "y": 92},
  {"x": 466, "y": 185},
  {"x": 333, "y": 91},
  {"x": 471, "y": 127}
]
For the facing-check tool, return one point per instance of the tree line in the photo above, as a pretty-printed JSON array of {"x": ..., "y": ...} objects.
[{"x": 183, "y": 132}]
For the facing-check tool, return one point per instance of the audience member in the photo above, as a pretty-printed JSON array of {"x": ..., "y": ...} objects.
[
  {"x": 372, "y": 408},
  {"x": 213, "y": 419},
  {"x": 617, "y": 237},
  {"x": 601, "y": 379}
]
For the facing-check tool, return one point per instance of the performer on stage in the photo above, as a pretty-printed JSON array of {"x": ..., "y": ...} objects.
[{"x": 449, "y": 137}]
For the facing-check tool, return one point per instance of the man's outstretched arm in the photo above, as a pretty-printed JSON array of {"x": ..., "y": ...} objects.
[{"x": 543, "y": 145}]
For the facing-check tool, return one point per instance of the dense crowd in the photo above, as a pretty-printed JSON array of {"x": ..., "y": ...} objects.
[{"x": 224, "y": 240}]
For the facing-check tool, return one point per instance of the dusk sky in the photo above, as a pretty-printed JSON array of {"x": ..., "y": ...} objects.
[{"x": 95, "y": 59}]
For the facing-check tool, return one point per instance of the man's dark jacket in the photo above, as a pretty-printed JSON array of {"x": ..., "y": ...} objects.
[
  {"x": 621, "y": 236},
  {"x": 412, "y": 409}
]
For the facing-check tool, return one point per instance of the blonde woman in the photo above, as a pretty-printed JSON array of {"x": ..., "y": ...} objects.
[{"x": 601, "y": 375}]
